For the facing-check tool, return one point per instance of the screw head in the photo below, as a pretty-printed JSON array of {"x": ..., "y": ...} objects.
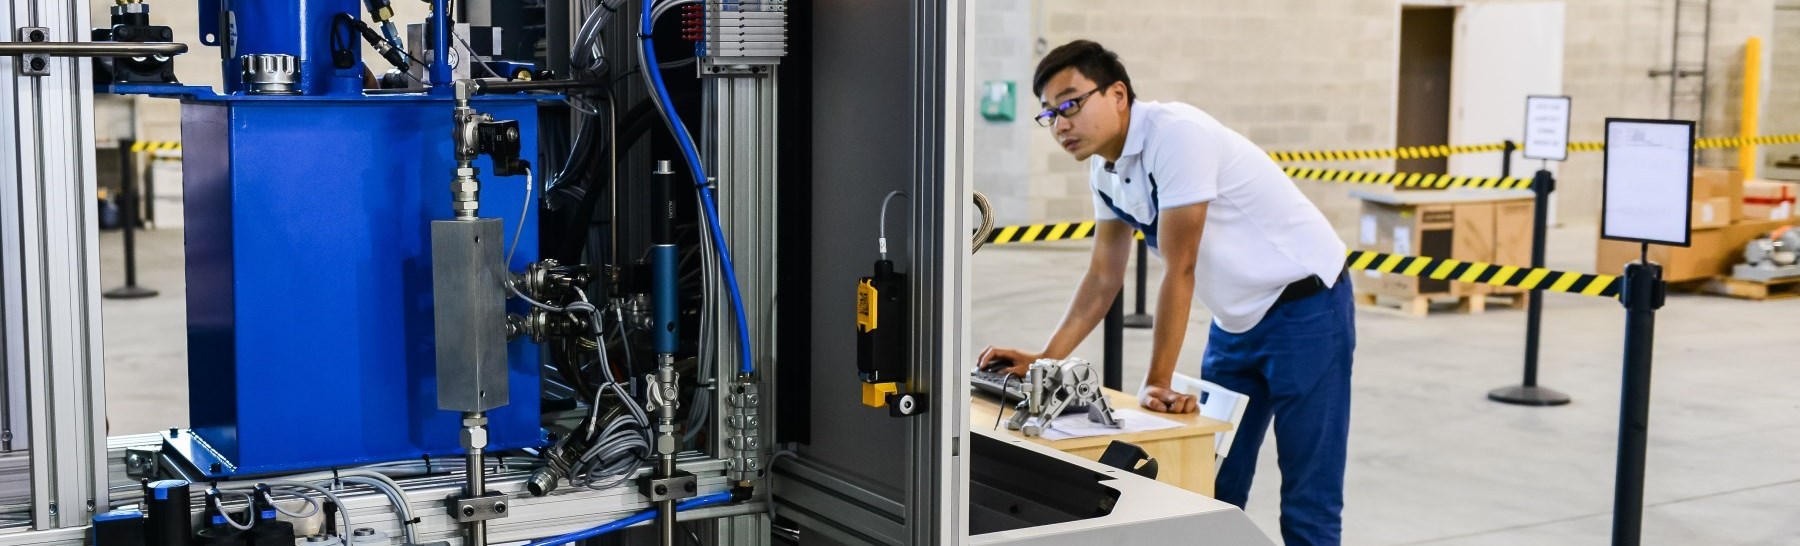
[
  {"x": 39, "y": 36},
  {"x": 468, "y": 511},
  {"x": 661, "y": 490},
  {"x": 500, "y": 508},
  {"x": 690, "y": 487}
]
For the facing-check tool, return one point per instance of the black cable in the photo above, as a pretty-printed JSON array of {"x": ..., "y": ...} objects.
[
  {"x": 1002, "y": 412},
  {"x": 343, "y": 48}
]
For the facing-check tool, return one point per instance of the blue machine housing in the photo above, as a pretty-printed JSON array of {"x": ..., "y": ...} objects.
[
  {"x": 310, "y": 325},
  {"x": 309, "y": 273}
]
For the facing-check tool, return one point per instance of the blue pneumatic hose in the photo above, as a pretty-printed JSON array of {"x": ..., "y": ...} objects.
[
  {"x": 692, "y": 156},
  {"x": 634, "y": 519}
]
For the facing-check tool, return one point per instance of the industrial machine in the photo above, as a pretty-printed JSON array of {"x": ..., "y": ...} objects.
[
  {"x": 1051, "y": 386},
  {"x": 606, "y": 292},
  {"x": 1775, "y": 255}
]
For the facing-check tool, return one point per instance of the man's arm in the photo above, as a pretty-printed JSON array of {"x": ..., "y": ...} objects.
[
  {"x": 1105, "y": 276},
  {"x": 1179, "y": 230}
]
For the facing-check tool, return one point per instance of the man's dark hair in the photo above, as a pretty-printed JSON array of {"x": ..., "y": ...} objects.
[{"x": 1090, "y": 59}]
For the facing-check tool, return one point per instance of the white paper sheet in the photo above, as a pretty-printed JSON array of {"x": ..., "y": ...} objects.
[
  {"x": 1077, "y": 425},
  {"x": 1648, "y": 174},
  {"x": 1547, "y": 128}
]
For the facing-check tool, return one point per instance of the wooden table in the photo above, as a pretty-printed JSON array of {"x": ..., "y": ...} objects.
[{"x": 1184, "y": 455}]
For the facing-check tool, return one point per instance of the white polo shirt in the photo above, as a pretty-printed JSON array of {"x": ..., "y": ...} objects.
[{"x": 1261, "y": 232}]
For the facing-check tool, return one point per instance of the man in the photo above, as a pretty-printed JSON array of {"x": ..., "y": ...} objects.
[{"x": 1232, "y": 229}]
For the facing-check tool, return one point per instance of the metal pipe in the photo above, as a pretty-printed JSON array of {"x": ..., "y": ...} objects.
[
  {"x": 91, "y": 49},
  {"x": 477, "y": 472},
  {"x": 440, "y": 43},
  {"x": 490, "y": 86}
]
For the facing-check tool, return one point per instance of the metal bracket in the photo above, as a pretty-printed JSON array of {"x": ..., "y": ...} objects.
[
  {"x": 680, "y": 486},
  {"x": 36, "y": 65},
  {"x": 908, "y": 404},
  {"x": 490, "y": 505},
  {"x": 140, "y": 462}
]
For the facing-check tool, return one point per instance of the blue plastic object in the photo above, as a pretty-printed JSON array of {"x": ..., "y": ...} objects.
[
  {"x": 663, "y": 303},
  {"x": 310, "y": 326},
  {"x": 692, "y": 156}
]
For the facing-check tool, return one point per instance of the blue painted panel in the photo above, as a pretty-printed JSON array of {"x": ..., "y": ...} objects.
[
  {"x": 301, "y": 28},
  {"x": 310, "y": 280}
]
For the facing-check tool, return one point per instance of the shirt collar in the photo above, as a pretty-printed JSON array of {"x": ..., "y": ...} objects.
[{"x": 1135, "y": 133}]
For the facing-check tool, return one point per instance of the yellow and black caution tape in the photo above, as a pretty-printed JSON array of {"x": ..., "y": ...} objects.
[
  {"x": 154, "y": 146},
  {"x": 1529, "y": 278},
  {"x": 1408, "y": 152},
  {"x": 1705, "y": 143},
  {"x": 1409, "y": 180},
  {"x": 1043, "y": 233}
]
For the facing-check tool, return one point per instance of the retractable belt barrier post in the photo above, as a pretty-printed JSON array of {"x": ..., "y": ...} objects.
[{"x": 128, "y": 216}]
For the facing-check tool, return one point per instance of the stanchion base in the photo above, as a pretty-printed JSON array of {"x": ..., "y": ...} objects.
[
  {"x": 129, "y": 293},
  {"x": 1528, "y": 396},
  {"x": 1139, "y": 321}
]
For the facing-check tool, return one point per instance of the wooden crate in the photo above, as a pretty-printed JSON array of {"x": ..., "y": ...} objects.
[
  {"x": 1419, "y": 306},
  {"x": 1778, "y": 289},
  {"x": 1469, "y": 227}
]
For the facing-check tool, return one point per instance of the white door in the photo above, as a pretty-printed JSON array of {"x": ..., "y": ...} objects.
[{"x": 1503, "y": 52}]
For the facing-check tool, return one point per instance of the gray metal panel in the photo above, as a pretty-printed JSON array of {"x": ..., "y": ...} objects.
[
  {"x": 888, "y": 116},
  {"x": 863, "y": 147},
  {"x": 51, "y": 278},
  {"x": 469, "y": 308}
]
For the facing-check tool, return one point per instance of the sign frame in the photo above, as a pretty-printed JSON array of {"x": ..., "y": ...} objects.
[
  {"x": 1606, "y": 183},
  {"x": 1562, "y": 152}
]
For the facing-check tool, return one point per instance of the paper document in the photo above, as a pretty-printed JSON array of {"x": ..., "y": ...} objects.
[
  {"x": 1077, "y": 425},
  {"x": 1649, "y": 171}
]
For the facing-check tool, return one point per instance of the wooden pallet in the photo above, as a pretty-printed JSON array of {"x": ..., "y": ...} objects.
[
  {"x": 1755, "y": 290},
  {"x": 1421, "y": 305}
]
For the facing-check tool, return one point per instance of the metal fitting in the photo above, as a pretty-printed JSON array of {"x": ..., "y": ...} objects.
[
  {"x": 474, "y": 437},
  {"x": 271, "y": 74}
]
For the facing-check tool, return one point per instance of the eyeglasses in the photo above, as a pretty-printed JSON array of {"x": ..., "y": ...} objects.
[{"x": 1067, "y": 109}]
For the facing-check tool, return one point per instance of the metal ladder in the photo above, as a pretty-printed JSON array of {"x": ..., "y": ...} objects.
[{"x": 1691, "y": 37}]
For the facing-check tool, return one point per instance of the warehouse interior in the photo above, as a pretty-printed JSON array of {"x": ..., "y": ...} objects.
[{"x": 270, "y": 299}]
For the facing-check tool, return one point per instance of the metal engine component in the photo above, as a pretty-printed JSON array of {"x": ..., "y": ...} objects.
[
  {"x": 1053, "y": 385},
  {"x": 1772, "y": 256},
  {"x": 271, "y": 74}
]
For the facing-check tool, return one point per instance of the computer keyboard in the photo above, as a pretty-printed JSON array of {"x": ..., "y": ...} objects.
[
  {"x": 990, "y": 383},
  {"x": 1002, "y": 385}
]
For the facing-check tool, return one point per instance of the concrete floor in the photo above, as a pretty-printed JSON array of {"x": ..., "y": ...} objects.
[{"x": 1431, "y": 461}]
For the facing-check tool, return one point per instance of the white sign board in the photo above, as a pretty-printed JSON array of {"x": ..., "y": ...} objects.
[
  {"x": 1648, "y": 183},
  {"x": 1547, "y": 128}
]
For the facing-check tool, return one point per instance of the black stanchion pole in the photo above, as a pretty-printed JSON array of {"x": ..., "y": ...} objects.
[
  {"x": 129, "y": 217},
  {"x": 1113, "y": 367},
  {"x": 1507, "y": 148},
  {"x": 1643, "y": 293},
  {"x": 1529, "y": 393},
  {"x": 1141, "y": 318}
]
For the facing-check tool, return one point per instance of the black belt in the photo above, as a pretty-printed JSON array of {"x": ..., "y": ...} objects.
[{"x": 1301, "y": 289}]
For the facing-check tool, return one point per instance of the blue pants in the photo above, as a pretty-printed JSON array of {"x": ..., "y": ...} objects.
[{"x": 1295, "y": 367}]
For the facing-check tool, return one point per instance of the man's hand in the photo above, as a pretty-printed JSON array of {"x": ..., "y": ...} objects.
[
  {"x": 1012, "y": 361},
  {"x": 1162, "y": 399}
]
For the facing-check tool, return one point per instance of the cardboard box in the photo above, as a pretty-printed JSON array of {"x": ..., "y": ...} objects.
[
  {"x": 1712, "y": 213},
  {"x": 1713, "y": 252},
  {"x": 1512, "y": 237},
  {"x": 1711, "y": 182},
  {"x": 1768, "y": 200},
  {"x": 1496, "y": 232}
]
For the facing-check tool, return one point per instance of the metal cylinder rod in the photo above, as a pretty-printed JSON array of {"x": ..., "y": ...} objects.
[
  {"x": 91, "y": 49},
  {"x": 477, "y": 474}
]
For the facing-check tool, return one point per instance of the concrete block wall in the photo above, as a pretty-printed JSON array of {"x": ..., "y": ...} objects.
[
  {"x": 1287, "y": 74},
  {"x": 1299, "y": 74},
  {"x": 1003, "y": 42},
  {"x": 1781, "y": 83}
]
